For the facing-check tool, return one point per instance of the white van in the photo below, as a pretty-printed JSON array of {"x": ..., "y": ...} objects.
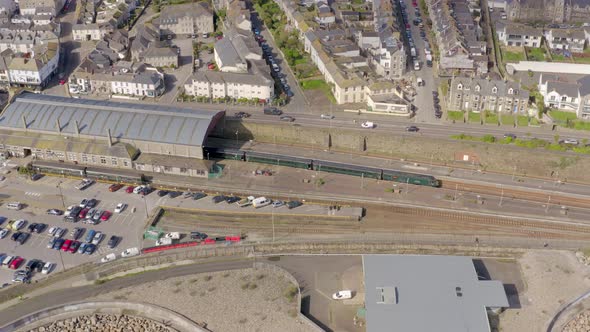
[
  {"x": 260, "y": 202},
  {"x": 14, "y": 206},
  {"x": 7, "y": 260}
]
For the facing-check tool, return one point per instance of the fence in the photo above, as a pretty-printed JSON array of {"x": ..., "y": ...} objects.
[{"x": 276, "y": 269}]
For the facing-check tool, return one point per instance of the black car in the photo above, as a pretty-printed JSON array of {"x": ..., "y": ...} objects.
[
  {"x": 58, "y": 243},
  {"x": 293, "y": 204},
  {"x": 197, "y": 196},
  {"x": 232, "y": 199},
  {"x": 162, "y": 193},
  {"x": 31, "y": 227},
  {"x": 33, "y": 264},
  {"x": 198, "y": 236},
  {"x": 39, "y": 228},
  {"x": 412, "y": 129},
  {"x": 91, "y": 203},
  {"x": 22, "y": 238},
  {"x": 73, "y": 216},
  {"x": 272, "y": 111},
  {"x": 36, "y": 177},
  {"x": 74, "y": 246},
  {"x": 15, "y": 235},
  {"x": 174, "y": 194},
  {"x": 113, "y": 241},
  {"x": 89, "y": 250},
  {"x": 218, "y": 199},
  {"x": 220, "y": 239},
  {"x": 145, "y": 191},
  {"x": 241, "y": 115}
]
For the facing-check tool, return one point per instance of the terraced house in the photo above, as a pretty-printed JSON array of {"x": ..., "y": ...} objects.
[
  {"x": 561, "y": 93},
  {"x": 187, "y": 19},
  {"x": 476, "y": 95}
]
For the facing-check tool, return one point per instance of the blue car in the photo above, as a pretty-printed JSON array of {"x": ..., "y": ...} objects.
[
  {"x": 89, "y": 250},
  {"x": 58, "y": 243},
  {"x": 2, "y": 220},
  {"x": 90, "y": 235}
]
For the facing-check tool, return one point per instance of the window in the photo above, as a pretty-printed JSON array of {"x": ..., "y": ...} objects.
[
  {"x": 183, "y": 170},
  {"x": 460, "y": 86},
  {"x": 93, "y": 158},
  {"x": 114, "y": 162},
  {"x": 477, "y": 88},
  {"x": 167, "y": 169},
  {"x": 564, "y": 98},
  {"x": 126, "y": 163},
  {"x": 494, "y": 90},
  {"x": 103, "y": 160},
  {"x": 510, "y": 91},
  {"x": 84, "y": 158}
]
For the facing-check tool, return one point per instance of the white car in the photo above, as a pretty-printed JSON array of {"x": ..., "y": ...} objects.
[
  {"x": 97, "y": 238},
  {"x": 59, "y": 232},
  {"x": 69, "y": 210},
  {"x": 19, "y": 224},
  {"x": 138, "y": 189},
  {"x": 368, "y": 124},
  {"x": 52, "y": 230},
  {"x": 3, "y": 233},
  {"x": 47, "y": 268},
  {"x": 130, "y": 252},
  {"x": 327, "y": 116},
  {"x": 120, "y": 207},
  {"x": 571, "y": 141},
  {"x": 342, "y": 295},
  {"x": 108, "y": 258}
]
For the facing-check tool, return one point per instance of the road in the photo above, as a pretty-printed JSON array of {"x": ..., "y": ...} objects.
[{"x": 77, "y": 294}]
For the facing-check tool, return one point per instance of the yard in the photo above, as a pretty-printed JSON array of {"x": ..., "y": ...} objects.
[
  {"x": 319, "y": 84},
  {"x": 455, "y": 115},
  {"x": 491, "y": 118},
  {"x": 561, "y": 116},
  {"x": 507, "y": 119},
  {"x": 474, "y": 117},
  {"x": 585, "y": 60},
  {"x": 512, "y": 56},
  {"x": 535, "y": 54},
  {"x": 569, "y": 120}
]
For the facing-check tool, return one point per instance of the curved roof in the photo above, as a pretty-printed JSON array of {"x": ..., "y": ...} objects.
[{"x": 143, "y": 122}]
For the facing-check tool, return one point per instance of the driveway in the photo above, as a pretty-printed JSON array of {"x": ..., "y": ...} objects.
[
  {"x": 321, "y": 276},
  {"x": 175, "y": 79}
]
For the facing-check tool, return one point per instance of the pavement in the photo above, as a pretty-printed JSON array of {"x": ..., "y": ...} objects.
[
  {"x": 42, "y": 299},
  {"x": 321, "y": 276}
]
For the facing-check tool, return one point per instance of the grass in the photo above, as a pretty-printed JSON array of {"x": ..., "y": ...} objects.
[
  {"x": 581, "y": 125},
  {"x": 533, "y": 143},
  {"x": 318, "y": 84},
  {"x": 582, "y": 60},
  {"x": 491, "y": 118},
  {"x": 559, "y": 58},
  {"x": 455, "y": 115},
  {"x": 535, "y": 54},
  {"x": 513, "y": 56},
  {"x": 291, "y": 293},
  {"x": 474, "y": 117},
  {"x": 535, "y": 122},
  {"x": 562, "y": 116}
]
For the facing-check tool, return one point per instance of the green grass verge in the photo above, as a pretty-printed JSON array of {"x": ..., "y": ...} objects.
[
  {"x": 559, "y": 58},
  {"x": 474, "y": 117},
  {"x": 522, "y": 121},
  {"x": 561, "y": 116},
  {"x": 535, "y": 122},
  {"x": 533, "y": 143},
  {"x": 491, "y": 118},
  {"x": 581, "y": 125},
  {"x": 512, "y": 56},
  {"x": 582, "y": 60},
  {"x": 319, "y": 84},
  {"x": 455, "y": 115}
]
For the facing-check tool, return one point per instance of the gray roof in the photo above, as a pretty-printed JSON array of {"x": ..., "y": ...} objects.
[
  {"x": 227, "y": 53},
  {"x": 427, "y": 293},
  {"x": 584, "y": 84},
  {"x": 141, "y": 122},
  {"x": 563, "y": 88}
]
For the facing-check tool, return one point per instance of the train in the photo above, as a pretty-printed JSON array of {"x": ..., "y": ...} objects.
[{"x": 323, "y": 166}]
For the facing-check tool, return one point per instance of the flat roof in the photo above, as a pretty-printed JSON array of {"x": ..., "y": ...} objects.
[
  {"x": 127, "y": 121},
  {"x": 427, "y": 293}
]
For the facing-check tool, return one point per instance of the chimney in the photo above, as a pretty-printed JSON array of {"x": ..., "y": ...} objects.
[
  {"x": 58, "y": 125},
  {"x": 110, "y": 138},
  {"x": 77, "y": 127},
  {"x": 24, "y": 122}
]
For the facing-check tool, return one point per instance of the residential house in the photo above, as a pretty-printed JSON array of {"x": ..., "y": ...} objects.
[
  {"x": 227, "y": 58},
  {"x": 477, "y": 94},
  {"x": 186, "y": 19},
  {"x": 325, "y": 16},
  {"x": 520, "y": 35},
  {"x": 8, "y": 7},
  {"x": 556, "y": 11},
  {"x": 568, "y": 95},
  {"x": 145, "y": 36},
  {"x": 42, "y": 19},
  {"x": 36, "y": 70},
  {"x": 213, "y": 84},
  {"x": 87, "y": 32},
  {"x": 161, "y": 57},
  {"x": 563, "y": 39},
  {"x": 238, "y": 15},
  {"x": 32, "y": 7}
]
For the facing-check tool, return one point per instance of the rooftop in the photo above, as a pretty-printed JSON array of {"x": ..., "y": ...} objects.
[
  {"x": 142, "y": 122},
  {"x": 427, "y": 293}
]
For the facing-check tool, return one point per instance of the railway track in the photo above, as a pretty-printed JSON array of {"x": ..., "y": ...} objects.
[{"x": 529, "y": 195}]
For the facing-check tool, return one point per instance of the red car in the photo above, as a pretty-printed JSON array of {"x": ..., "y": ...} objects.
[
  {"x": 414, "y": 4},
  {"x": 115, "y": 187},
  {"x": 82, "y": 213},
  {"x": 105, "y": 216},
  {"x": 66, "y": 245},
  {"x": 129, "y": 189},
  {"x": 74, "y": 247},
  {"x": 62, "y": 82},
  {"x": 408, "y": 26},
  {"x": 16, "y": 263}
]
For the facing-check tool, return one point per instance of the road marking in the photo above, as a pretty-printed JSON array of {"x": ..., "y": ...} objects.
[{"x": 33, "y": 194}]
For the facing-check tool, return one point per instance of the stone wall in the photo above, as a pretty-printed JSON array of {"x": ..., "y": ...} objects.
[{"x": 492, "y": 157}]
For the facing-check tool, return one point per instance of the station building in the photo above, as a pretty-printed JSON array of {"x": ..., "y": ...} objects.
[{"x": 142, "y": 137}]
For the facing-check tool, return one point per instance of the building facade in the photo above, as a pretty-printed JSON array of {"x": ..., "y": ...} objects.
[
  {"x": 572, "y": 96},
  {"x": 186, "y": 19},
  {"x": 477, "y": 95},
  {"x": 213, "y": 84},
  {"x": 520, "y": 35}
]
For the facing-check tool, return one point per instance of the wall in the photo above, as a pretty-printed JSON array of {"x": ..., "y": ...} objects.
[{"x": 493, "y": 157}]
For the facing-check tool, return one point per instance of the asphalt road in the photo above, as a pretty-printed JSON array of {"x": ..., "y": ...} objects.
[{"x": 77, "y": 294}]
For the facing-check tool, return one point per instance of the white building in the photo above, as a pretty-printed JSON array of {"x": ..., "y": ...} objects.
[
  {"x": 228, "y": 59},
  {"x": 520, "y": 35},
  {"x": 573, "y": 96},
  {"x": 24, "y": 42},
  {"x": 87, "y": 32},
  {"x": 572, "y": 40},
  {"x": 8, "y": 6},
  {"x": 213, "y": 84},
  {"x": 35, "y": 71}
]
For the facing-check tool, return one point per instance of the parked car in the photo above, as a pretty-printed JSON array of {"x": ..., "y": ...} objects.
[
  {"x": 36, "y": 176},
  {"x": 97, "y": 238},
  {"x": 294, "y": 204},
  {"x": 47, "y": 268},
  {"x": 174, "y": 194},
  {"x": 90, "y": 236},
  {"x": 162, "y": 193},
  {"x": 115, "y": 187},
  {"x": 129, "y": 189},
  {"x": 16, "y": 263},
  {"x": 22, "y": 238},
  {"x": 51, "y": 243},
  {"x": 74, "y": 247},
  {"x": 59, "y": 232},
  {"x": 83, "y": 212},
  {"x": 66, "y": 245},
  {"x": 55, "y": 212},
  {"x": 15, "y": 235},
  {"x": 96, "y": 217},
  {"x": 58, "y": 243},
  {"x": 90, "y": 248},
  {"x": 113, "y": 241},
  {"x": 31, "y": 227},
  {"x": 571, "y": 141},
  {"x": 4, "y": 232},
  {"x": 82, "y": 247},
  {"x": 77, "y": 232},
  {"x": 91, "y": 203},
  {"x": 105, "y": 215},
  {"x": 83, "y": 203},
  {"x": 342, "y": 295},
  {"x": 241, "y": 115},
  {"x": 120, "y": 207},
  {"x": 130, "y": 252},
  {"x": 232, "y": 199},
  {"x": 218, "y": 199},
  {"x": 197, "y": 196},
  {"x": 368, "y": 124},
  {"x": 198, "y": 236},
  {"x": 276, "y": 204}
]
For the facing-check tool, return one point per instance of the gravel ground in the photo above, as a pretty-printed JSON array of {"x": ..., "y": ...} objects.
[
  {"x": 237, "y": 300},
  {"x": 580, "y": 323},
  {"x": 552, "y": 278},
  {"x": 102, "y": 323}
]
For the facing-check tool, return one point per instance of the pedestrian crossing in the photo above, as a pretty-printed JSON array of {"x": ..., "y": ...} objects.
[{"x": 32, "y": 194}]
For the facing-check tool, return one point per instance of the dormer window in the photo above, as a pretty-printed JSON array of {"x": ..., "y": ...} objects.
[
  {"x": 510, "y": 91},
  {"x": 494, "y": 90},
  {"x": 460, "y": 86},
  {"x": 477, "y": 88}
]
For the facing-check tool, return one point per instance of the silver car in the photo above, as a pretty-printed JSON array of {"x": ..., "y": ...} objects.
[
  {"x": 96, "y": 216},
  {"x": 97, "y": 238}
]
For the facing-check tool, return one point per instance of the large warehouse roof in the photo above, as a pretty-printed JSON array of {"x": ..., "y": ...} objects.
[
  {"x": 427, "y": 293},
  {"x": 142, "y": 122}
]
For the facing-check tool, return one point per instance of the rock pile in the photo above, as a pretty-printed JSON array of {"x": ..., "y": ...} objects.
[
  {"x": 106, "y": 323},
  {"x": 582, "y": 258},
  {"x": 580, "y": 323}
]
